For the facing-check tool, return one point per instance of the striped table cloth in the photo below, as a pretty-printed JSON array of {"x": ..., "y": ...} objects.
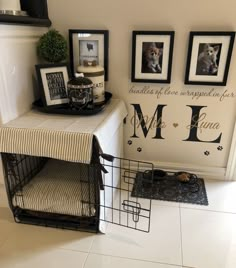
[{"x": 64, "y": 137}]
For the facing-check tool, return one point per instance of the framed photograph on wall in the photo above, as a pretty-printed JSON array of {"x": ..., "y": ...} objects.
[
  {"x": 52, "y": 83},
  {"x": 89, "y": 47},
  {"x": 152, "y": 53},
  {"x": 208, "y": 59}
]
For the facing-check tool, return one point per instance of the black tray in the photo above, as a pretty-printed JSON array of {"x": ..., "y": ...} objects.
[{"x": 66, "y": 108}]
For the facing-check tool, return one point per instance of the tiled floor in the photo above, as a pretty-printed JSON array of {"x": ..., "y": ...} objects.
[{"x": 181, "y": 235}]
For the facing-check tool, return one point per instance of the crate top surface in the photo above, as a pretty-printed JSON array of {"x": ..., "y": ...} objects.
[{"x": 65, "y": 137}]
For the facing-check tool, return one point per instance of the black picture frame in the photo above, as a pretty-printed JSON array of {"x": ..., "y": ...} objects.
[
  {"x": 208, "y": 58},
  {"x": 79, "y": 40},
  {"x": 149, "y": 68},
  {"x": 52, "y": 83}
]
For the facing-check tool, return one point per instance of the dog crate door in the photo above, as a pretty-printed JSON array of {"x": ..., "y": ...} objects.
[{"x": 118, "y": 201}]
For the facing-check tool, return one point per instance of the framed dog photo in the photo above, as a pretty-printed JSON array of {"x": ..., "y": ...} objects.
[
  {"x": 152, "y": 53},
  {"x": 89, "y": 47},
  {"x": 52, "y": 83},
  {"x": 208, "y": 59}
]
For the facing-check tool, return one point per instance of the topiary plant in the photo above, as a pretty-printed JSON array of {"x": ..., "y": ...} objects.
[{"x": 52, "y": 47}]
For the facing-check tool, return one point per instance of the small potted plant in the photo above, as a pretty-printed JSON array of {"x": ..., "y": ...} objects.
[{"x": 52, "y": 47}]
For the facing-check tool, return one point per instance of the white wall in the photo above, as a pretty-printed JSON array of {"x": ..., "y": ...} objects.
[
  {"x": 18, "y": 58},
  {"x": 121, "y": 18}
]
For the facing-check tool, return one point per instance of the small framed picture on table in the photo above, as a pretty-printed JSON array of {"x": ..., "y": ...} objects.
[{"x": 52, "y": 83}]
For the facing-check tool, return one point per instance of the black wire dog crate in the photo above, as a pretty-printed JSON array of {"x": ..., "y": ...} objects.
[{"x": 56, "y": 193}]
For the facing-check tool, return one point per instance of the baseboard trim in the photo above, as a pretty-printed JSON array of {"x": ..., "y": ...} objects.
[
  {"x": 201, "y": 171},
  {"x": 213, "y": 173}
]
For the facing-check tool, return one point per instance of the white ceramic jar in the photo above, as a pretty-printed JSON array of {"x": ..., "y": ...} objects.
[{"x": 96, "y": 75}]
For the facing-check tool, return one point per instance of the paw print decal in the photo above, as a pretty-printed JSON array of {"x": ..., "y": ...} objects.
[
  {"x": 219, "y": 148},
  {"x": 206, "y": 153},
  {"x": 139, "y": 149},
  {"x": 130, "y": 142}
]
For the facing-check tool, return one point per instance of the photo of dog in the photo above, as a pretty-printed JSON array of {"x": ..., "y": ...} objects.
[
  {"x": 152, "y": 57},
  {"x": 208, "y": 59}
]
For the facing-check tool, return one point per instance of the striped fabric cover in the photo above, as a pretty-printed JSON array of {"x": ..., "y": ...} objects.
[
  {"x": 70, "y": 146},
  {"x": 68, "y": 138}
]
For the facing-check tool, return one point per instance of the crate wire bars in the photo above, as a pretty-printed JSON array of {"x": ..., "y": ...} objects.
[
  {"x": 56, "y": 193},
  {"x": 117, "y": 205}
]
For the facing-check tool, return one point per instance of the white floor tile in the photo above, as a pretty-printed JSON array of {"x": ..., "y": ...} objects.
[
  {"x": 6, "y": 230},
  {"x": 5, "y": 212},
  {"x": 30, "y": 237},
  {"x": 165, "y": 203},
  {"x": 3, "y": 196},
  {"x": 208, "y": 239},
  {"x": 6, "y": 215},
  {"x": 40, "y": 258},
  {"x": 162, "y": 244},
  {"x": 101, "y": 261},
  {"x": 221, "y": 197}
]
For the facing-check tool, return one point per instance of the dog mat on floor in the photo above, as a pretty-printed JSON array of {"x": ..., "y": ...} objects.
[{"x": 169, "y": 188}]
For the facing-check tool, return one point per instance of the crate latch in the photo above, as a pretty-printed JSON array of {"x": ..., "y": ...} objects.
[{"x": 133, "y": 208}]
